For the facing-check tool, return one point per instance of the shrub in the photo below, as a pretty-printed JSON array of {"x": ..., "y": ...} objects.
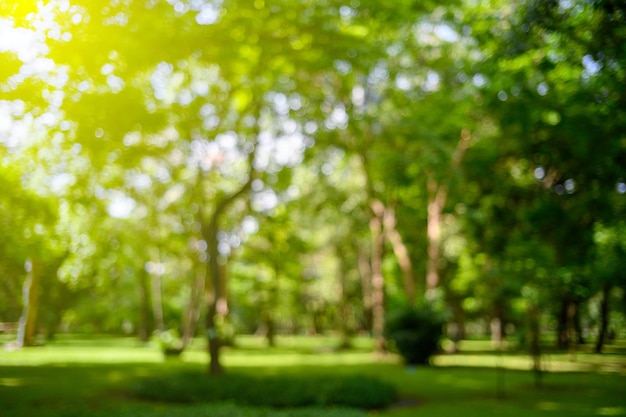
[
  {"x": 215, "y": 410},
  {"x": 169, "y": 341},
  {"x": 415, "y": 332},
  {"x": 284, "y": 391}
]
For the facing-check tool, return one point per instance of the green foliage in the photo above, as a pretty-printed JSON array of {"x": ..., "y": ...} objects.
[
  {"x": 415, "y": 331},
  {"x": 217, "y": 410},
  {"x": 168, "y": 340},
  {"x": 370, "y": 98},
  {"x": 270, "y": 391}
]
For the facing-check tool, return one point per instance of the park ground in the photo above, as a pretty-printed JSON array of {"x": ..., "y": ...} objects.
[{"x": 77, "y": 376}]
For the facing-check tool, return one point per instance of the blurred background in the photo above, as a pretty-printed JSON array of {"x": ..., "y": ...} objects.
[{"x": 213, "y": 168}]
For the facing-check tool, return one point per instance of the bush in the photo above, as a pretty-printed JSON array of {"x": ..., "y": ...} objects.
[
  {"x": 286, "y": 391},
  {"x": 216, "y": 410},
  {"x": 415, "y": 332},
  {"x": 169, "y": 341}
]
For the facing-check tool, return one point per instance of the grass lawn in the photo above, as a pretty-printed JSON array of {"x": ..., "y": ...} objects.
[{"x": 96, "y": 376}]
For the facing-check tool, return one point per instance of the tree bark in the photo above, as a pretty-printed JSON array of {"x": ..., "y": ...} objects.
[
  {"x": 144, "y": 328},
  {"x": 534, "y": 343},
  {"x": 56, "y": 299},
  {"x": 459, "y": 318},
  {"x": 378, "y": 282},
  {"x": 216, "y": 299},
  {"x": 213, "y": 296},
  {"x": 344, "y": 303},
  {"x": 497, "y": 332},
  {"x": 269, "y": 307},
  {"x": 365, "y": 271},
  {"x": 27, "y": 330},
  {"x": 157, "y": 301},
  {"x": 12, "y": 290},
  {"x": 562, "y": 338},
  {"x": 604, "y": 318},
  {"x": 437, "y": 196},
  {"x": 569, "y": 333},
  {"x": 580, "y": 339},
  {"x": 270, "y": 328},
  {"x": 401, "y": 252},
  {"x": 192, "y": 312},
  {"x": 572, "y": 333}
]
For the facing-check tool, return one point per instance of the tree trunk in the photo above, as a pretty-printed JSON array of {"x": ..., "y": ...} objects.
[
  {"x": 562, "y": 337},
  {"x": 56, "y": 297},
  {"x": 378, "y": 282},
  {"x": 344, "y": 303},
  {"x": 269, "y": 307},
  {"x": 365, "y": 271},
  {"x": 572, "y": 334},
  {"x": 437, "y": 196},
  {"x": 192, "y": 312},
  {"x": 604, "y": 318},
  {"x": 157, "y": 293},
  {"x": 27, "y": 330},
  {"x": 216, "y": 298},
  {"x": 270, "y": 328},
  {"x": 580, "y": 339},
  {"x": 436, "y": 200},
  {"x": 456, "y": 328},
  {"x": 460, "y": 319},
  {"x": 213, "y": 297},
  {"x": 145, "y": 323},
  {"x": 12, "y": 291},
  {"x": 497, "y": 332},
  {"x": 568, "y": 325},
  {"x": 534, "y": 343},
  {"x": 401, "y": 252},
  {"x": 62, "y": 303}
]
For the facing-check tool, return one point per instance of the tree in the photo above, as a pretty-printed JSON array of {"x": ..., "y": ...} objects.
[
  {"x": 609, "y": 256},
  {"x": 127, "y": 107},
  {"x": 544, "y": 88}
]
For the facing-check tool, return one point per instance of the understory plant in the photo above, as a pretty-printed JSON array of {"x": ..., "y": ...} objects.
[
  {"x": 415, "y": 332},
  {"x": 169, "y": 341},
  {"x": 279, "y": 391}
]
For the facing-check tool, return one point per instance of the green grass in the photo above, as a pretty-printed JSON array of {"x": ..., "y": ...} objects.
[{"x": 97, "y": 376}]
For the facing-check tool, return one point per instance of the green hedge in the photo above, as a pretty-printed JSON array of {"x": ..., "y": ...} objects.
[
  {"x": 213, "y": 410},
  {"x": 280, "y": 391}
]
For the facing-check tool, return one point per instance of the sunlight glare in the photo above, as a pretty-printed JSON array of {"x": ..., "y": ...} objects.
[
  {"x": 121, "y": 206},
  {"x": 23, "y": 42}
]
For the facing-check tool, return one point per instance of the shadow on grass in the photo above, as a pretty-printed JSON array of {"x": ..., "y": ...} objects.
[
  {"x": 64, "y": 387},
  {"x": 61, "y": 388},
  {"x": 68, "y": 385}
]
